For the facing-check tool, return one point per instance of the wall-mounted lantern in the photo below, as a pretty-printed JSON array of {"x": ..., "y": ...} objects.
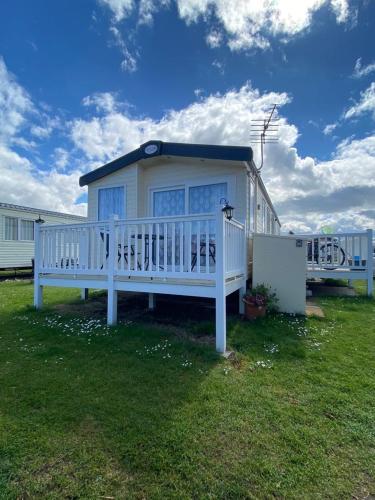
[
  {"x": 39, "y": 220},
  {"x": 227, "y": 209}
]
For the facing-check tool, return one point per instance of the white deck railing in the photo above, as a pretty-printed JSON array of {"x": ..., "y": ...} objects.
[
  {"x": 345, "y": 255},
  {"x": 167, "y": 247},
  {"x": 339, "y": 251}
]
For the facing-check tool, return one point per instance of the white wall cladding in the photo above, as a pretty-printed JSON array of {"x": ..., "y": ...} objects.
[{"x": 19, "y": 253}]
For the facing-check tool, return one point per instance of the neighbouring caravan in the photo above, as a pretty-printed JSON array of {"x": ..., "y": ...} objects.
[{"x": 17, "y": 232}]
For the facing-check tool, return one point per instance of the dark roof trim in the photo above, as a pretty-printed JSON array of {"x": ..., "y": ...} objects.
[{"x": 159, "y": 148}]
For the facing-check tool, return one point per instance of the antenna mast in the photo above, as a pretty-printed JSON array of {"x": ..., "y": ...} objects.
[{"x": 263, "y": 126}]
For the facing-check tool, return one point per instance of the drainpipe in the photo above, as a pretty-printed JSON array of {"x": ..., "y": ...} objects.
[{"x": 255, "y": 198}]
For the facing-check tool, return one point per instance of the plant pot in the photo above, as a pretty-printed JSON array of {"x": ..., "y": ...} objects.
[{"x": 253, "y": 311}]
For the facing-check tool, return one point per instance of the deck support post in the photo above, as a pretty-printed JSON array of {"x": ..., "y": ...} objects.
[
  {"x": 220, "y": 298},
  {"x": 38, "y": 289},
  {"x": 151, "y": 301},
  {"x": 112, "y": 307},
  {"x": 241, "y": 293},
  {"x": 370, "y": 268},
  {"x": 38, "y": 295},
  {"x": 112, "y": 293},
  {"x": 84, "y": 293}
]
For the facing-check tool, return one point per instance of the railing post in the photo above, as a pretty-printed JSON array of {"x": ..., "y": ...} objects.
[
  {"x": 242, "y": 290},
  {"x": 112, "y": 293},
  {"x": 220, "y": 297},
  {"x": 38, "y": 289},
  {"x": 370, "y": 264}
]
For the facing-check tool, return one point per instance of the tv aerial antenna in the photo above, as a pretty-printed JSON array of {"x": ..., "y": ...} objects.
[{"x": 265, "y": 131}]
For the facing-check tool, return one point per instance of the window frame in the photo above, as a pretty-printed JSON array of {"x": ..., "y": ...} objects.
[
  {"x": 204, "y": 181},
  {"x": 20, "y": 220},
  {"x": 110, "y": 186},
  {"x": 18, "y": 229}
]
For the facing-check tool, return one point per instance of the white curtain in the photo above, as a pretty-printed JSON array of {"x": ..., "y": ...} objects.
[
  {"x": 11, "y": 228},
  {"x": 111, "y": 201},
  {"x": 27, "y": 230}
]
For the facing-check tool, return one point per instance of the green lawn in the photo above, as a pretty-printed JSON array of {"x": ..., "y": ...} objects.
[{"x": 141, "y": 411}]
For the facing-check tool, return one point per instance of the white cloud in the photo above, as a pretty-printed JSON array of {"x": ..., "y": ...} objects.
[
  {"x": 21, "y": 181},
  {"x": 147, "y": 8},
  {"x": 245, "y": 23},
  {"x": 214, "y": 39},
  {"x": 208, "y": 121},
  {"x": 308, "y": 193},
  {"x": 22, "y": 184},
  {"x": 129, "y": 61},
  {"x": 120, "y": 8},
  {"x": 251, "y": 24},
  {"x": 360, "y": 71},
  {"x": 15, "y": 104},
  {"x": 218, "y": 65},
  {"x": 61, "y": 158},
  {"x": 328, "y": 129},
  {"x": 103, "y": 101},
  {"x": 366, "y": 104}
]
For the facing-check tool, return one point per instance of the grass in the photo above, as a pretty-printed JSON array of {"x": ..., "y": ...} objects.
[{"x": 140, "y": 411}]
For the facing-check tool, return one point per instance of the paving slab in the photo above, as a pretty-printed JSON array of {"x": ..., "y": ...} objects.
[{"x": 313, "y": 309}]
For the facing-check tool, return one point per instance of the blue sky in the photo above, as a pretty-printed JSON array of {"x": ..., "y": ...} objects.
[{"x": 84, "y": 82}]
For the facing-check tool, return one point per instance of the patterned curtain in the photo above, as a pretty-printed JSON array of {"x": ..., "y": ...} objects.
[
  {"x": 111, "y": 202},
  {"x": 171, "y": 202},
  {"x": 165, "y": 203},
  {"x": 205, "y": 199}
]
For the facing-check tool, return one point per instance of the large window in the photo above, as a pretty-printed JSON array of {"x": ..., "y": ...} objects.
[
  {"x": 111, "y": 201},
  {"x": 11, "y": 228},
  {"x": 26, "y": 230},
  {"x": 206, "y": 199}
]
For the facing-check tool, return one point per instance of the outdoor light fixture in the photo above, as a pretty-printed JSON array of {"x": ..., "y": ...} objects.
[
  {"x": 227, "y": 209},
  {"x": 39, "y": 220}
]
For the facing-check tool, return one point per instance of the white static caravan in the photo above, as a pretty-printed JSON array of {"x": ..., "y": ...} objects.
[
  {"x": 156, "y": 224},
  {"x": 17, "y": 232}
]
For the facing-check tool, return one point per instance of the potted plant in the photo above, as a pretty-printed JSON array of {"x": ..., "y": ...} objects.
[{"x": 258, "y": 301}]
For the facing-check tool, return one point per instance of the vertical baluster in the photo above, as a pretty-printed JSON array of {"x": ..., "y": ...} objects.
[
  {"x": 136, "y": 247},
  {"x": 346, "y": 251},
  {"x": 92, "y": 246},
  {"x": 50, "y": 249},
  {"x": 207, "y": 241},
  {"x": 150, "y": 247},
  {"x": 100, "y": 231},
  {"x": 121, "y": 261},
  {"x": 143, "y": 242},
  {"x": 46, "y": 248},
  {"x": 58, "y": 249},
  {"x": 173, "y": 243},
  {"x": 128, "y": 233},
  {"x": 67, "y": 262},
  {"x": 165, "y": 246},
  {"x": 189, "y": 245},
  {"x": 47, "y": 253},
  {"x": 75, "y": 253},
  {"x": 181, "y": 247},
  {"x": 157, "y": 247},
  {"x": 198, "y": 246}
]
